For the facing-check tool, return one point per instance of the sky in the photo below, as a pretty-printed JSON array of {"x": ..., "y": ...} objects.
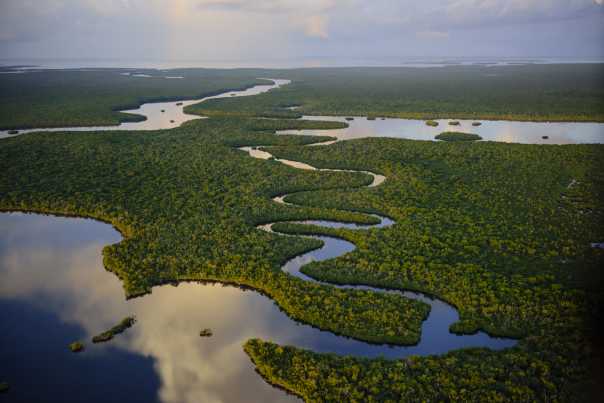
[{"x": 300, "y": 31}]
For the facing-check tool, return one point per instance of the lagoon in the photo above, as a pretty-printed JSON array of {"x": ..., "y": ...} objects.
[{"x": 495, "y": 130}]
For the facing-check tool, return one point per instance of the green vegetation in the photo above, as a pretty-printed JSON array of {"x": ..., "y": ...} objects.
[
  {"x": 457, "y": 136},
  {"x": 454, "y": 123},
  {"x": 201, "y": 225},
  {"x": 432, "y": 123},
  {"x": 495, "y": 229},
  {"x": 471, "y": 375},
  {"x": 121, "y": 327},
  {"x": 531, "y": 92},
  {"x": 206, "y": 332},
  {"x": 57, "y": 98},
  {"x": 76, "y": 347},
  {"x": 4, "y": 387}
]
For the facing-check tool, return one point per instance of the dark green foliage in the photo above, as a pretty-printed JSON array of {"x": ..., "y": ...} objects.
[
  {"x": 501, "y": 231},
  {"x": 457, "y": 136},
  {"x": 76, "y": 347},
  {"x": 472, "y": 375},
  {"x": 187, "y": 204},
  {"x": 121, "y": 327},
  {"x": 532, "y": 92},
  {"x": 454, "y": 123},
  {"x": 57, "y": 98},
  {"x": 431, "y": 123}
]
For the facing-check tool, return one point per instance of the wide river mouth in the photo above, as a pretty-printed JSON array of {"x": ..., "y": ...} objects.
[{"x": 54, "y": 291}]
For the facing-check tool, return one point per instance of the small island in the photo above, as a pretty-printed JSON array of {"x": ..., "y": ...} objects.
[
  {"x": 349, "y": 118},
  {"x": 454, "y": 123},
  {"x": 476, "y": 123},
  {"x": 432, "y": 123},
  {"x": 117, "y": 329},
  {"x": 545, "y": 137},
  {"x": 13, "y": 132},
  {"x": 206, "y": 333},
  {"x": 178, "y": 103},
  {"x": 458, "y": 136},
  {"x": 76, "y": 347}
]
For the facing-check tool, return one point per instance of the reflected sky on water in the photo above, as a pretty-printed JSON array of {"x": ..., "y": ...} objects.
[
  {"x": 159, "y": 115},
  {"x": 54, "y": 291},
  {"x": 495, "y": 130}
]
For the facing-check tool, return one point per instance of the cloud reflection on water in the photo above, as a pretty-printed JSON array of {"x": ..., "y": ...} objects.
[{"x": 46, "y": 262}]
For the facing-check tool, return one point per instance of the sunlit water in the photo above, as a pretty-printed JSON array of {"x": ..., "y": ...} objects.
[
  {"x": 436, "y": 337},
  {"x": 159, "y": 115},
  {"x": 54, "y": 290},
  {"x": 489, "y": 130}
]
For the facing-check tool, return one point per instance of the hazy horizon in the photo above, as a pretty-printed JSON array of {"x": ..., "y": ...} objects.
[
  {"x": 166, "y": 64},
  {"x": 285, "y": 33}
]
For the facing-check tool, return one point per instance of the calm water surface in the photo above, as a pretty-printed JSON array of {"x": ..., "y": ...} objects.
[
  {"x": 496, "y": 130},
  {"x": 54, "y": 290},
  {"x": 160, "y": 115}
]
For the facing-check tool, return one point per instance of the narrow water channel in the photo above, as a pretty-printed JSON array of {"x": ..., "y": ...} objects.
[
  {"x": 160, "y": 115},
  {"x": 54, "y": 290}
]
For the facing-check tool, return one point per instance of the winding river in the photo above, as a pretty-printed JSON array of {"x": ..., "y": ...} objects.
[
  {"x": 54, "y": 290},
  {"x": 159, "y": 115}
]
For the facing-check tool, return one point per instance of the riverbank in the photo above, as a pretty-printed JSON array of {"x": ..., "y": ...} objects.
[
  {"x": 491, "y": 228},
  {"x": 94, "y": 97}
]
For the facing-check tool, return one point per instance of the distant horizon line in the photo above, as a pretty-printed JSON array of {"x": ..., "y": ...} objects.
[{"x": 290, "y": 63}]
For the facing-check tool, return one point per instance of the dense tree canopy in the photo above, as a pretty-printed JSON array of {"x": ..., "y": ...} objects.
[
  {"x": 529, "y": 92},
  {"x": 501, "y": 231}
]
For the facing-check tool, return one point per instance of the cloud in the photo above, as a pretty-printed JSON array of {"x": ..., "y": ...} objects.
[
  {"x": 436, "y": 35},
  {"x": 243, "y": 29},
  {"x": 316, "y": 26},
  {"x": 486, "y": 12},
  {"x": 269, "y": 6}
]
